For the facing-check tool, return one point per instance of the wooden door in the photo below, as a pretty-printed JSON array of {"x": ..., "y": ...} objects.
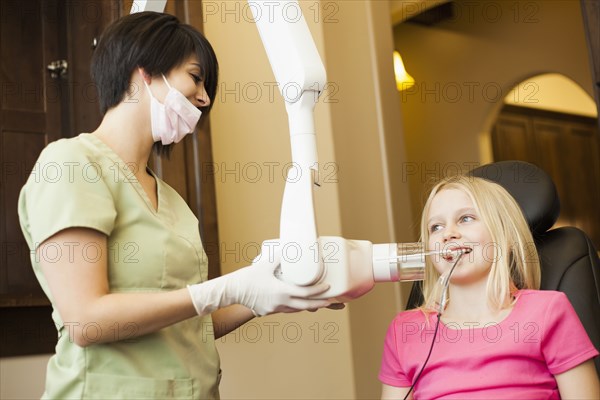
[
  {"x": 512, "y": 133},
  {"x": 37, "y": 108},
  {"x": 31, "y": 117},
  {"x": 567, "y": 147}
]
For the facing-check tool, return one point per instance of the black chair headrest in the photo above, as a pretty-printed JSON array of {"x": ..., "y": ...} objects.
[{"x": 531, "y": 187}]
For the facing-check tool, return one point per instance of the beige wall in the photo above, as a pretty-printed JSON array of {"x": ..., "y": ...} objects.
[
  {"x": 553, "y": 92},
  {"x": 23, "y": 377},
  {"x": 465, "y": 67}
]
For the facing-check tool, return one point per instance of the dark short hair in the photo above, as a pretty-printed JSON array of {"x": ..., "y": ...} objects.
[{"x": 157, "y": 43}]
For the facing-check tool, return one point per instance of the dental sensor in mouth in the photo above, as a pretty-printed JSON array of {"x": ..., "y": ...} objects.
[
  {"x": 352, "y": 267},
  {"x": 436, "y": 253},
  {"x": 405, "y": 261}
]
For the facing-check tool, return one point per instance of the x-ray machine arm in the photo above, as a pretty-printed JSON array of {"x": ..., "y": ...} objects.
[{"x": 301, "y": 78}]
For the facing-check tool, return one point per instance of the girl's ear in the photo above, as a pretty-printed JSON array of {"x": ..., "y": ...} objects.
[{"x": 145, "y": 76}]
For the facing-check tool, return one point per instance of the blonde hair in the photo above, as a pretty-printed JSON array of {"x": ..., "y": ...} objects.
[{"x": 515, "y": 264}]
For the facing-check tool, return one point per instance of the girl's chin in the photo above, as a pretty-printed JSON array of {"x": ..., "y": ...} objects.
[
  {"x": 462, "y": 271},
  {"x": 468, "y": 276}
]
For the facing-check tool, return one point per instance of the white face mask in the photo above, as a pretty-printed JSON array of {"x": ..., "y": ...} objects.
[{"x": 175, "y": 118}]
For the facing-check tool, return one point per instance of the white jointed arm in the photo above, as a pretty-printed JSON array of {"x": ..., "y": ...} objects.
[
  {"x": 351, "y": 267},
  {"x": 300, "y": 76}
]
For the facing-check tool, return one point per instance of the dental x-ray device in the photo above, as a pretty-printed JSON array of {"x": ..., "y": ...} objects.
[{"x": 351, "y": 267}]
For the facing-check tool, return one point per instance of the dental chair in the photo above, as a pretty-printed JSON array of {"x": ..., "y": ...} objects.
[{"x": 568, "y": 258}]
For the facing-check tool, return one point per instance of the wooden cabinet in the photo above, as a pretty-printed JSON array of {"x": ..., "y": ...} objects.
[
  {"x": 36, "y": 108},
  {"x": 567, "y": 147}
]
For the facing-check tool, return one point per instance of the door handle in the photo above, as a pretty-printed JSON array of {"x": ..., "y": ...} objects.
[{"x": 58, "y": 68}]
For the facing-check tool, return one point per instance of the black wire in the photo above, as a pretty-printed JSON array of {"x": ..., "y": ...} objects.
[{"x": 437, "y": 324}]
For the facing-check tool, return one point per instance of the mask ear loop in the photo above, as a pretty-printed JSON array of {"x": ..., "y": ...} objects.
[
  {"x": 440, "y": 310},
  {"x": 166, "y": 81},
  {"x": 145, "y": 77},
  {"x": 148, "y": 87},
  {"x": 149, "y": 91}
]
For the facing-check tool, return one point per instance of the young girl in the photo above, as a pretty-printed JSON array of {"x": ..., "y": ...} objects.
[{"x": 498, "y": 336}]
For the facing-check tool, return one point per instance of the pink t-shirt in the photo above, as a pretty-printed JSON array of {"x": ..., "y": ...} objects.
[{"x": 514, "y": 359}]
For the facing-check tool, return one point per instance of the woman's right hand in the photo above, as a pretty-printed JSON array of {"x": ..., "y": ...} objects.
[{"x": 257, "y": 288}]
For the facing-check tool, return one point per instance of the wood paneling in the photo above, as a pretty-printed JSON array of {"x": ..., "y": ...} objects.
[
  {"x": 36, "y": 109},
  {"x": 31, "y": 116},
  {"x": 30, "y": 108},
  {"x": 582, "y": 179},
  {"x": 19, "y": 153},
  {"x": 512, "y": 132},
  {"x": 26, "y": 330},
  {"x": 567, "y": 147},
  {"x": 85, "y": 21}
]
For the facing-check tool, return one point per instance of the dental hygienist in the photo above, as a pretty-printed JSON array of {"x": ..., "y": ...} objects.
[{"x": 117, "y": 251}]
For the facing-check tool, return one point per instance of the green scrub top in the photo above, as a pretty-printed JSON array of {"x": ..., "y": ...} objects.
[{"x": 81, "y": 182}]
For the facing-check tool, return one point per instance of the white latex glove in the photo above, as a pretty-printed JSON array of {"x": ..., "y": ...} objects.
[{"x": 257, "y": 288}]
